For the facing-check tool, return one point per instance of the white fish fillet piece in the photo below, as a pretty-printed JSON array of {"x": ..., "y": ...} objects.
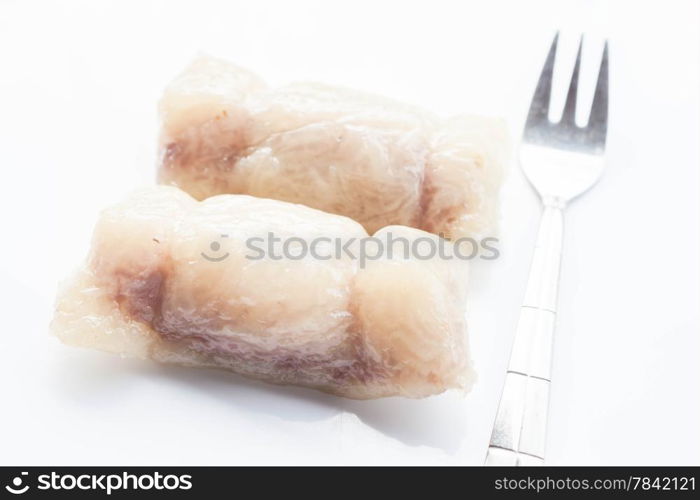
[
  {"x": 369, "y": 158},
  {"x": 392, "y": 327}
]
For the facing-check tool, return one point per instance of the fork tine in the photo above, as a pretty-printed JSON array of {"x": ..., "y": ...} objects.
[
  {"x": 598, "y": 121},
  {"x": 539, "y": 108},
  {"x": 569, "y": 114}
]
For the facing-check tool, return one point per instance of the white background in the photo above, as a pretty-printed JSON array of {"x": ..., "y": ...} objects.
[{"x": 78, "y": 89}]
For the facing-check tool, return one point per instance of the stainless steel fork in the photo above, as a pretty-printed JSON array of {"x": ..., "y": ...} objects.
[{"x": 561, "y": 161}]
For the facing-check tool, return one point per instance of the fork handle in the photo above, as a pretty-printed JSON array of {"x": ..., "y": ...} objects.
[{"x": 518, "y": 436}]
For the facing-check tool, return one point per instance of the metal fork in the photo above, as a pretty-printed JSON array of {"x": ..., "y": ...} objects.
[{"x": 561, "y": 161}]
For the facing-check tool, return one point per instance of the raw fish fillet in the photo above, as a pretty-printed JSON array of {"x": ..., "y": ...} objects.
[
  {"x": 169, "y": 278},
  {"x": 346, "y": 152}
]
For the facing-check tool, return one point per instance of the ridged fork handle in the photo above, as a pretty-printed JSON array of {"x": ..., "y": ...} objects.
[{"x": 519, "y": 431}]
